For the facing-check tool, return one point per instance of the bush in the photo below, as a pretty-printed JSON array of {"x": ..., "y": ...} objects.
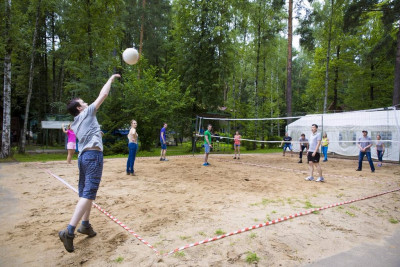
[
  {"x": 118, "y": 147},
  {"x": 274, "y": 138}
]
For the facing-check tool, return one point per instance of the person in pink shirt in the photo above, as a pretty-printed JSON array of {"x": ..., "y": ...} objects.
[
  {"x": 236, "y": 144},
  {"x": 71, "y": 145}
]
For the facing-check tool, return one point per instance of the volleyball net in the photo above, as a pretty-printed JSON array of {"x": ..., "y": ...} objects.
[{"x": 343, "y": 131}]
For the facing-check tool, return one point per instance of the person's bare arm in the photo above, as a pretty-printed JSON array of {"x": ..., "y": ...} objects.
[
  {"x": 105, "y": 90},
  {"x": 63, "y": 128}
]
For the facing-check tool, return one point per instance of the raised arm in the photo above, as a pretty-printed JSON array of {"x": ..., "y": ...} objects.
[
  {"x": 105, "y": 90},
  {"x": 63, "y": 128}
]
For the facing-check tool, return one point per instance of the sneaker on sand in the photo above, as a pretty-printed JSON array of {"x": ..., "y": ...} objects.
[
  {"x": 358, "y": 170},
  {"x": 309, "y": 178},
  {"x": 205, "y": 164},
  {"x": 166, "y": 159},
  {"x": 234, "y": 157},
  {"x": 87, "y": 230},
  {"x": 300, "y": 161},
  {"x": 320, "y": 179},
  {"x": 161, "y": 159},
  {"x": 68, "y": 240}
]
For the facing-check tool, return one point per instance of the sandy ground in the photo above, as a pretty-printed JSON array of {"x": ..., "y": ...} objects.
[{"x": 171, "y": 204}]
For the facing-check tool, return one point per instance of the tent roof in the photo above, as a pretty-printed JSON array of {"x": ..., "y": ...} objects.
[{"x": 355, "y": 118}]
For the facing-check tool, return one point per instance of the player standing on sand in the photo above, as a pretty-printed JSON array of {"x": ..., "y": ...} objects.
[
  {"x": 313, "y": 154},
  {"x": 207, "y": 144}
]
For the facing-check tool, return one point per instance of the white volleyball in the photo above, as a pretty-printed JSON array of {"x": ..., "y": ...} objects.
[{"x": 130, "y": 56}]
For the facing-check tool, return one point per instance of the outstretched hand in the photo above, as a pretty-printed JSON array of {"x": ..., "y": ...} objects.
[{"x": 112, "y": 78}]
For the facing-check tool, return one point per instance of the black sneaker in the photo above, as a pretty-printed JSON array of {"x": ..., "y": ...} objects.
[
  {"x": 300, "y": 161},
  {"x": 68, "y": 240},
  {"x": 161, "y": 159},
  {"x": 87, "y": 230},
  {"x": 358, "y": 170},
  {"x": 372, "y": 170},
  {"x": 166, "y": 159}
]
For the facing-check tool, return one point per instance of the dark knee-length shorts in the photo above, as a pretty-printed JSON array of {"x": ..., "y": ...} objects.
[{"x": 90, "y": 164}]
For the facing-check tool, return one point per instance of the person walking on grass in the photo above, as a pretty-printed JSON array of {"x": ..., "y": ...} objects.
[
  {"x": 364, "y": 144},
  {"x": 303, "y": 145},
  {"x": 163, "y": 141},
  {"x": 133, "y": 146},
  {"x": 90, "y": 162},
  {"x": 380, "y": 149},
  {"x": 324, "y": 146},
  {"x": 236, "y": 144},
  {"x": 287, "y": 143},
  {"x": 71, "y": 145},
  {"x": 207, "y": 144},
  {"x": 313, "y": 155}
]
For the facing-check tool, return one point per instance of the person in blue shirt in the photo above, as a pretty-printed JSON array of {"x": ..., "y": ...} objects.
[{"x": 163, "y": 141}]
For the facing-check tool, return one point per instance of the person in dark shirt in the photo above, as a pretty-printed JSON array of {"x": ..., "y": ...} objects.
[{"x": 287, "y": 143}]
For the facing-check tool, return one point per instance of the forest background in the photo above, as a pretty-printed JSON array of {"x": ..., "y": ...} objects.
[{"x": 197, "y": 57}]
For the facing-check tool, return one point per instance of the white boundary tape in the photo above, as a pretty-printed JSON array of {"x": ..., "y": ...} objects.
[{"x": 208, "y": 240}]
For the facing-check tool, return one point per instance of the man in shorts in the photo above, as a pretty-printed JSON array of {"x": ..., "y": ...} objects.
[
  {"x": 364, "y": 144},
  {"x": 207, "y": 144},
  {"x": 90, "y": 162},
  {"x": 163, "y": 141},
  {"x": 313, "y": 154},
  {"x": 303, "y": 141},
  {"x": 287, "y": 143}
]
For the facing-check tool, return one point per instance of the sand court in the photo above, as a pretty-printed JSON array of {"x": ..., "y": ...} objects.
[{"x": 171, "y": 204}]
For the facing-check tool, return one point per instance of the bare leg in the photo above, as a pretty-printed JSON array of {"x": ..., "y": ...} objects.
[
  {"x": 84, "y": 205},
  {"x": 319, "y": 169},
  {"x": 206, "y": 158},
  {"x": 238, "y": 151},
  {"x": 311, "y": 168},
  {"x": 70, "y": 154}
]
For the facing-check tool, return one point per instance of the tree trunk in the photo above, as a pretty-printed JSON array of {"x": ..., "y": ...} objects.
[
  {"x": 6, "y": 131},
  {"x": 335, "y": 92},
  {"x": 289, "y": 62},
  {"x": 396, "y": 87},
  {"x": 30, "y": 85},
  {"x": 328, "y": 56},
  {"x": 371, "y": 84},
  {"x": 141, "y": 34}
]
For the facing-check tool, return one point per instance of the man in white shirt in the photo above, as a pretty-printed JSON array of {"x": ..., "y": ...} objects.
[{"x": 313, "y": 154}]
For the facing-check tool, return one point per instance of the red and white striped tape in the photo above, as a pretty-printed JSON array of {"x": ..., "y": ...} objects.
[
  {"x": 208, "y": 240},
  {"x": 273, "y": 222},
  {"x": 107, "y": 214}
]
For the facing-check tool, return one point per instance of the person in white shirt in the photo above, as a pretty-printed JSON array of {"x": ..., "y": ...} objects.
[{"x": 313, "y": 155}]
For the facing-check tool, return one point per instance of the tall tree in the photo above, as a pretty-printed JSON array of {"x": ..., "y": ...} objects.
[
  {"x": 30, "y": 86},
  {"x": 289, "y": 61},
  {"x": 5, "y": 144}
]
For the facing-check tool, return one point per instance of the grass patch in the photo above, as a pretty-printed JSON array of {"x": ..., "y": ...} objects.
[
  {"x": 219, "y": 232},
  {"x": 179, "y": 254},
  {"x": 184, "y": 237},
  {"x": 252, "y": 257},
  {"x": 308, "y": 205},
  {"x": 273, "y": 212},
  {"x": 253, "y": 235},
  {"x": 316, "y": 212},
  {"x": 394, "y": 221},
  {"x": 202, "y": 234},
  {"x": 119, "y": 259},
  {"x": 340, "y": 195},
  {"x": 350, "y": 214},
  {"x": 354, "y": 208}
]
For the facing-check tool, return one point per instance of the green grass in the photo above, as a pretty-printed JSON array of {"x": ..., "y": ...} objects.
[
  {"x": 394, "y": 221},
  {"x": 202, "y": 233},
  {"x": 184, "y": 237},
  {"x": 220, "y": 232},
  {"x": 308, "y": 205},
  {"x": 119, "y": 259},
  {"x": 253, "y": 235},
  {"x": 179, "y": 254},
  {"x": 184, "y": 149},
  {"x": 350, "y": 214},
  {"x": 252, "y": 257}
]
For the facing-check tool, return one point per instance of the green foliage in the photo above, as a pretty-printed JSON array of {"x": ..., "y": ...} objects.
[{"x": 252, "y": 257}]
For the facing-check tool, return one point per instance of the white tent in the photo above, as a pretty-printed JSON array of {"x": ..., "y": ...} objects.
[{"x": 344, "y": 129}]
